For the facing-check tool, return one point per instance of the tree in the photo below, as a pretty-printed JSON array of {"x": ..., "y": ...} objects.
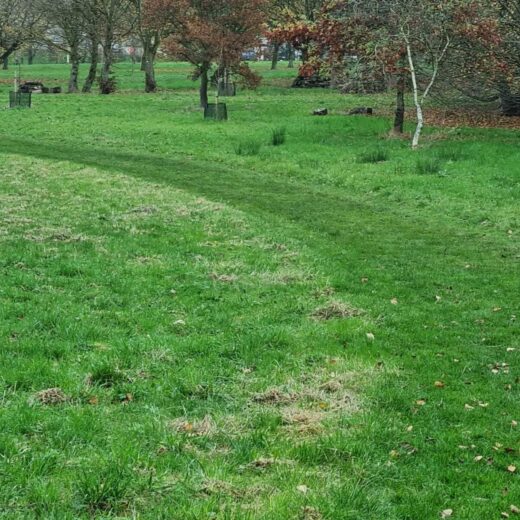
[
  {"x": 409, "y": 38},
  {"x": 115, "y": 20},
  {"x": 151, "y": 30},
  {"x": 21, "y": 22},
  {"x": 66, "y": 31},
  {"x": 93, "y": 37},
  {"x": 487, "y": 60},
  {"x": 211, "y": 32}
]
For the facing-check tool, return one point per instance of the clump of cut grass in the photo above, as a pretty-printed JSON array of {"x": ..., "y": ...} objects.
[
  {"x": 377, "y": 155},
  {"x": 248, "y": 147},
  {"x": 278, "y": 136},
  {"x": 428, "y": 166},
  {"x": 50, "y": 396},
  {"x": 334, "y": 310}
]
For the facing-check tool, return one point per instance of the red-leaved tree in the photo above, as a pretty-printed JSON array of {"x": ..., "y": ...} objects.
[{"x": 211, "y": 33}]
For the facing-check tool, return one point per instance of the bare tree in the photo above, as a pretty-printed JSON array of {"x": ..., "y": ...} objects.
[
  {"x": 116, "y": 19},
  {"x": 66, "y": 31},
  {"x": 21, "y": 22},
  {"x": 151, "y": 31}
]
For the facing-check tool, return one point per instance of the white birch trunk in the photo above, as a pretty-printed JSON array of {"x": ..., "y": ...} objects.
[{"x": 416, "y": 99}]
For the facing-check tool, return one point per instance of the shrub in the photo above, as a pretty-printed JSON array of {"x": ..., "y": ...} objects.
[
  {"x": 374, "y": 156},
  {"x": 248, "y": 147},
  {"x": 278, "y": 136}
]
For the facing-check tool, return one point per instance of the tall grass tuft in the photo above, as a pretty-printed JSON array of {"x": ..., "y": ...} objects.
[
  {"x": 376, "y": 155},
  {"x": 105, "y": 489},
  {"x": 248, "y": 147},
  {"x": 278, "y": 136},
  {"x": 428, "y": 166}
]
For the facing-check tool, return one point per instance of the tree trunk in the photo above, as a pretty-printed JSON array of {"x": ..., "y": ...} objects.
[
  {"x": 400, "y": 106},
  {"x": 92, "y": 72},
  {"x": 151, "y": 43},
  {"x": 106, "y": 84},
  {"x": 74, "y": 69},
  {"x": 30, "y": 55},
  {"x": 417, "y": 101},
  {"x": 149, "y": 72},
  {"x": 276, "y": 53},
  {"x": 291, "y": 56},
  {"x": 145, "y": 40},
  {"x": 5, "y": 62},
  {"x": 509, "y": 101},
  {"x": 204, "y": 84}
]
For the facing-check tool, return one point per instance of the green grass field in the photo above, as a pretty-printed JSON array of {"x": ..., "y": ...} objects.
[{"x": 196, "y": 324}]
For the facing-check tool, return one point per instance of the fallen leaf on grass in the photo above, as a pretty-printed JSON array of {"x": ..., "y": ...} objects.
[
  {"x": 468, "y": 407},
  {"x": 420, "y": 402},
  {"x": 515, "y": 510},
  {"x": 302, "y": 488},
  {"x": 511, "y": 468},
  {"x": 478, "y": 458},
  {"x": 200, "y": 428},
  {"x": 446, "y": 513},
  {"x": 439, "y": 384},
  {"x": 370, "y": 336},
  {"x": 126, "y": 398},
  {"x": 394, "y": 301}
]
